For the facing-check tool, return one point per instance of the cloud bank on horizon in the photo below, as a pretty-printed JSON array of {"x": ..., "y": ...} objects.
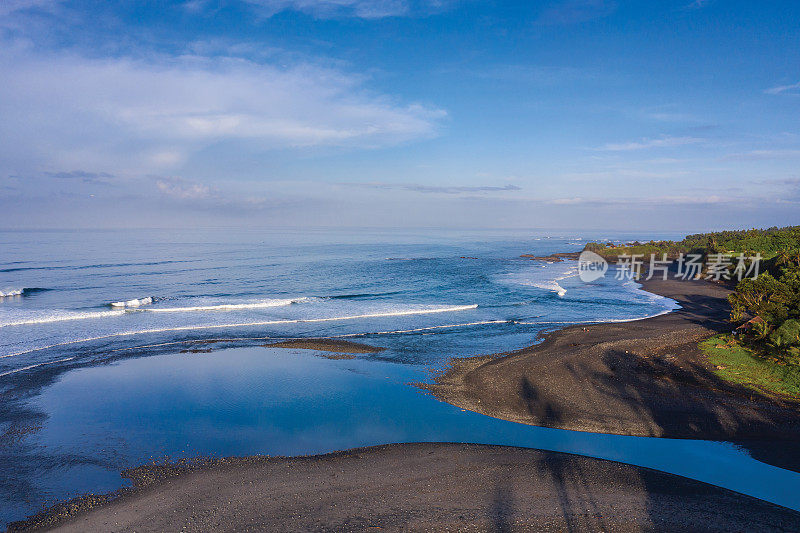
[{"x": 560, "y": 114}]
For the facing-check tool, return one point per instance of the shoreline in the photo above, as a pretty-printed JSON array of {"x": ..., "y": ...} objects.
[
  {"x": 625, "y": 363},
  {"x": 643, "y": 378},
  {"x": 416, "y": 486}
]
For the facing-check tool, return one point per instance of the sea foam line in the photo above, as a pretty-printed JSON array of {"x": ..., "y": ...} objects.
[
  {"x": 122, "y": 308},
  {"x": 417, "y": 329},
  {"x": 605, "y": 321},
  {"x": 233, "y": 339},
  {"x": 63, "y": 318},
  {"x": 228, "y": 307},
  {"x": 247, "y": 324},
  {"x": 363, "y": 334},
  {"x": 36, "y": 365}
]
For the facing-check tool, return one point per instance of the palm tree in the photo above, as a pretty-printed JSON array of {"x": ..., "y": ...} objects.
[
  {"x": 782, "y": 258},
  {"x": 796, "y": 258}
]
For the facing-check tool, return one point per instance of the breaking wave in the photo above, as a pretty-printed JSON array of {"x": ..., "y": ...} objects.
[
  {"x": 230, "y": 307},
  {"x": 550, "y": 286},
  {"x": 407, "y": 312},
  {"x": 532, "y": 278},
  {"x": 20, "y": 292},
  {"x": 133, "y": 306},
  {"x": 136, "y": 302},
  {"x": 11, "y": 292}
]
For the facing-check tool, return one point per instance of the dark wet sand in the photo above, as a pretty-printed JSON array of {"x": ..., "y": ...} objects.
[
  {"x": 646, "y": 378},
  {"x": 328, "y": 348},
  {"x": 423, "y": 487},
  {"x": 326, "y": 345}
]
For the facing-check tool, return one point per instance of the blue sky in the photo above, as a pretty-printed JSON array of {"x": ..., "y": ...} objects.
[{"x": 579, "y": 114}]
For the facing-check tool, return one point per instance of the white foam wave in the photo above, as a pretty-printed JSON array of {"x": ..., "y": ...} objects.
[
  {"x": 61, "y": 317},
  {"x": 36, "y": 366},
  {"x": 11, "y": 292},
  {"x": 571, "y": 273},
  {"x": 136, "y": 302},
  {"x": 120, "y": 308},
  {"x": 541, "y": 279},
  {"x": 606, "y": 321},
  {"x": 649, "y": 297},
  {"x": 229, "y": 307},
  {"x": 444, "y": 326},
  {"x": 408, "y": 312},
  {"x": 343, "y": 335},
  {"x": 550, "y": 286}
]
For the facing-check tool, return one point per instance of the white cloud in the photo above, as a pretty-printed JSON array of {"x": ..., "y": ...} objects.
[
  {"x": 645, "y": 202},
  {"x": 788, "y": 89},
  {"x": 437, "y": 189},
  {"x": 756, "y": 155},
  {"x": 8, "y": 7},
  {"x": 662, "y": 142},
  {"x": 125, "y": 114},
  {"x": 569, "y": 201},
  {"x": 183, "y": 189},
  {"x": 367, "y": 9}
]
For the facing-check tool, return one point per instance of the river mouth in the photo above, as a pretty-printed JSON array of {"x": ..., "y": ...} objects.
[
  {"x": 88, "y": 389},
  {"x": 253, "y": 400}
]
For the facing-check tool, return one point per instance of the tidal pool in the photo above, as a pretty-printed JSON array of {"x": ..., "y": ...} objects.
[{"x": 272, "y": 401}]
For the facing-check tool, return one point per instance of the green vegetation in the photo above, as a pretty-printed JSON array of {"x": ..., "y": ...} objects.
[
  {"x": 774, "y": 302},
  {"x": 767, "y": 242},
  {"x": 737, "y": 364},
  {"x": 612, "y": 251},
  {"x": 770, "y": 304},
  {"x": 770, "y": 243}
]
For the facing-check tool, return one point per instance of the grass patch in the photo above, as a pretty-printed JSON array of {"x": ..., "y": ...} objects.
[{"x": 733, "y": 362}]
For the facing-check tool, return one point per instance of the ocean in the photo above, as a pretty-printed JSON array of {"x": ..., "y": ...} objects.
[
  {"x": 121, "y": 347},
  {"x": 85, "y": 294}
]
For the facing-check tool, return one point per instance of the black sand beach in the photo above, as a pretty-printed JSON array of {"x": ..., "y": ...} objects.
[
  {"x": 418, "y": 487},
  {"x": 644, "y": 378}
]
